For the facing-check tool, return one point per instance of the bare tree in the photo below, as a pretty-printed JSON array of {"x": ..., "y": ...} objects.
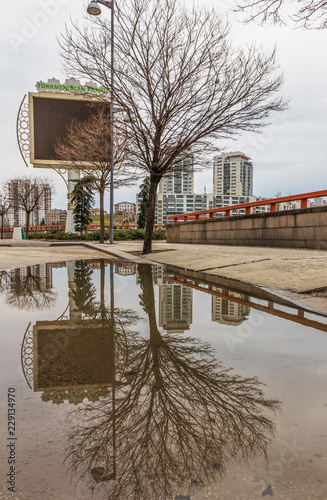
[
  {"x": 5, "y": 205},
  {"x": 174, "y": 419},
  {"x": 309, "y": 14},
  {"x": 29, "y": 194},
  {"x": 87, "y": 146},
  {"x": 178, "y": 74}
]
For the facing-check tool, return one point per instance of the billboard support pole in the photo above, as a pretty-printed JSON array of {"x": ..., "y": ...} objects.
[{"x": 73, "y": 176}]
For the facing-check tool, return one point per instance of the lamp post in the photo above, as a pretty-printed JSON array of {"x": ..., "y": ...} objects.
[{"x": 94, "y": 10}]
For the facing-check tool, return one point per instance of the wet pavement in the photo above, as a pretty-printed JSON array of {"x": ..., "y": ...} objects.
[{"x": 132, "y": 381}]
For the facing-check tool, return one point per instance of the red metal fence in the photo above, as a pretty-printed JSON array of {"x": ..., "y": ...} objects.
[
  {"x": 246, "y": 301},
  {"x": 273, "y": 202}
]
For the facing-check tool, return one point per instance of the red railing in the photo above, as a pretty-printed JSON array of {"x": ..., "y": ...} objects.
[
  {"x": 121, "y": 226},
  {"x": 38, "y": 228},
  {"x": 246, "y": 301},
  {"x": 273, "y": 202}
]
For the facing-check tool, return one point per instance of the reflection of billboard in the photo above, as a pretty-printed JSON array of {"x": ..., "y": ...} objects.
[
  {"x": 50, "y": 117},
  {"x": 68, "y": 356}
]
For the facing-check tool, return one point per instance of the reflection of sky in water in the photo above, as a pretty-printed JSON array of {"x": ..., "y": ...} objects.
[{"x": 288, "y": 357}]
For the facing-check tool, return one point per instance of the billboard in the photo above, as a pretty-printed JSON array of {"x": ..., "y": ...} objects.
[{"x": 51, "y": 115}]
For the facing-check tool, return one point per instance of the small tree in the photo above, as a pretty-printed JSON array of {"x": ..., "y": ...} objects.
[
  {"x": 29, "y": 194},
  {"x": 87, "y": 146},
  {"x": 5, "y": 205},
  {"x": 144, "y": 194},
  {"x": 177, "y": 73},
  {"x": 82, "y": 196},
  {"x": 309, "y": 14}
]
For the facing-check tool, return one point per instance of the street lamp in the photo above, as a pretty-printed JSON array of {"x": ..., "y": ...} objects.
[{"x": 95, "y": 10}]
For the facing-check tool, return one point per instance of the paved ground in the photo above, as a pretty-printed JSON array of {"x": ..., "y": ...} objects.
[
  {"x": 27, "y": 254},
  {"x": 296, "y": 273}
]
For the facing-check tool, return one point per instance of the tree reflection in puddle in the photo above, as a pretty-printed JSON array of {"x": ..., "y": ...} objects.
[
  {"x": 28, "y": 288},
  {"x": 174, "y": 416}
]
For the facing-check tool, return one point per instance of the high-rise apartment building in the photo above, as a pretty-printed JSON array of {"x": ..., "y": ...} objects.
[
  {"x": 180, "y": 180},
  {"x": 232, "y": 174}
]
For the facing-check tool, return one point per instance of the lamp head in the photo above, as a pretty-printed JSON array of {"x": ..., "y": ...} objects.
[{"x": 94, "y": 8}]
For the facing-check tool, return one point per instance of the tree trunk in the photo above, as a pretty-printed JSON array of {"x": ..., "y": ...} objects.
[
  {"x": 101, "y": 216},
  {"x": 156, "y": 341},
  {"x": 27, "y": 222},
  {"x": 147, "y": 246},
  {"x": 102, "y": 283},
  {"x": 2, "y": 227}
]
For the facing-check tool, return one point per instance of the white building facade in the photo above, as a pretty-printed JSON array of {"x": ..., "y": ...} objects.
[
  {"x": 125, "y": 206},
  {"x": 232, "y": 174}
]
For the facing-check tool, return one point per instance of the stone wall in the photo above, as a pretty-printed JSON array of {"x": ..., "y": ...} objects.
[{"x": 303, "y": 228}]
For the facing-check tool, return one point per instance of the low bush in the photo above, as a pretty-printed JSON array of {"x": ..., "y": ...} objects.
[{"x": 124, "y": 234}]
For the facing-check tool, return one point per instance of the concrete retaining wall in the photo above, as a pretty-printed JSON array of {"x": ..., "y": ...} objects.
[{"x": 303, "y": 228}]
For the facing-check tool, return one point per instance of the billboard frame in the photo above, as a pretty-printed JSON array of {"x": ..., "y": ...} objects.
[{"x": 56, "y": 164}]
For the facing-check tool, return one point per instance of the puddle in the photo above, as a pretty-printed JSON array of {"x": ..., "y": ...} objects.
[{"x": 130, "y": 381}]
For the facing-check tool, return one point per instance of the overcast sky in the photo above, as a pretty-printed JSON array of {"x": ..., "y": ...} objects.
[{"x": 288, "y": 156}]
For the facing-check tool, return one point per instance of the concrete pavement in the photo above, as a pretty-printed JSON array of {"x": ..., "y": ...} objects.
[{"x": 294, "y": 273}]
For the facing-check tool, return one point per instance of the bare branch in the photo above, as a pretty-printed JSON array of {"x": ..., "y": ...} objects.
[
  {"x": 308, "y": 14},
  {"x": 178, "y": 74}
]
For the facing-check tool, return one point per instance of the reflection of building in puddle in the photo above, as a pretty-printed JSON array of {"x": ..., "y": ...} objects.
[
  {"x": 56, "y": 265},
  {"x": 125, "y": 268},
  {"x": 72, "y": 361},
  {"x": 175, "y": 303},
  {"x": 95, "y": 264},
  {"x": 175, "y": 307},
  {"x": 225, "y": 311},
  {"x": 39, "y": 276}
]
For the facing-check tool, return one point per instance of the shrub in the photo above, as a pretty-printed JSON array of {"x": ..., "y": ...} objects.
[{"x": 124, "y": 234}]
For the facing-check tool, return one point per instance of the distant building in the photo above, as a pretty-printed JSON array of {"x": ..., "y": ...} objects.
[
  {"x": 170, "y": 204},
  {"x": 318, "y": 202},
  {"x": 94, "y": 212},
  {"x": 125, "y": 207},
  {"x": 232, "y": 174},
  {"x": 55, "y": 217},
  {"x": 180, "y": 180},
  {"x": 232, "y": 185}
]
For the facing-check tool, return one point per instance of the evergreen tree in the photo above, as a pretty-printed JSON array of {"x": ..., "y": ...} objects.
[
  {"x": 82, "y": 196},
  {"x": 144, "y": 193},
  {"x": 84, "y": 292}
]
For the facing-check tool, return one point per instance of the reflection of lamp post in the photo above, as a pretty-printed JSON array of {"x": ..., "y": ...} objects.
[
  {"x": 100, "y": 474},
  {"x": 94, "y": 10}
]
